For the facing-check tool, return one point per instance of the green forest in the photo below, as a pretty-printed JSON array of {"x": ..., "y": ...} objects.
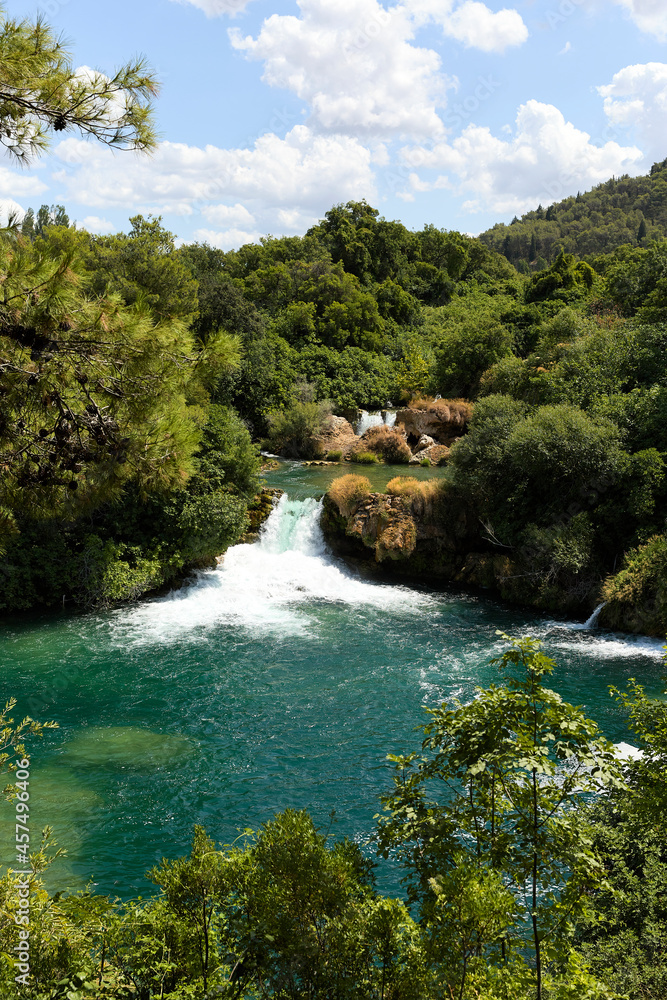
[{"x": 139, "y": 379}]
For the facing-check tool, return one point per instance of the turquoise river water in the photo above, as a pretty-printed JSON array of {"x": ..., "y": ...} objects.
[{"x": 278, "y": 679}]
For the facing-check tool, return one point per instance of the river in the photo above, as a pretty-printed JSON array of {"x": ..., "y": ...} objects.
[{"x": 278, "y": 679}]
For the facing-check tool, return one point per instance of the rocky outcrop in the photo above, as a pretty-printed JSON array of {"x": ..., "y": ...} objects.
[
  {"x": 336, "y": 435},
  {"x": 259, "y": 509},
  {"x": 431, "y": 533},
  {"x": 436, "y": 454},
  {"x": 442, "y": 420},
  {"x": 418, "y": 535}
]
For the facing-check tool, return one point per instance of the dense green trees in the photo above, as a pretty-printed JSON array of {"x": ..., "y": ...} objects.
[{"x": 624, "y": 211}]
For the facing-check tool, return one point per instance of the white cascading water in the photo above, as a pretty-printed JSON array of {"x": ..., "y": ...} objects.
[
  {"x": 593, "y": 620},
  {"x": 374, "y": 419},
  {"x": 262, "y": 586}
]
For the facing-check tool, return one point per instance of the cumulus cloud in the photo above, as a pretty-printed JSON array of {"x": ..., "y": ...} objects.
[
  {"x": 228, "y": 239},
  {"x": 13, "y": 185},
  {"x": 216, "y": 8},
  {"x": 546, "y": 159},
  {"x": 476, "y": 26},
  {"x": 637, "y": 98},
  {"x": 300, "y": 175},
  {"x": 353, "y": 63},
  {"x": 649, "y": 15},
  {"x": 93, "y": 224},
  {"x": 228, "y": 215}
]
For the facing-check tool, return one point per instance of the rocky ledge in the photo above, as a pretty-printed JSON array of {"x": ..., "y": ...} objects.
[
  {"x": 430, "y": 534},
  {"x": 259, "y": 509}
]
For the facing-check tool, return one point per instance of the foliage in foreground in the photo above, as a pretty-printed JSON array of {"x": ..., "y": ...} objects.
[{"x": 518, "y": 887}]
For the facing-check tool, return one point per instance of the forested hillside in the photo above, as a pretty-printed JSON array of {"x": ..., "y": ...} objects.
[
  {"x": 623, "y": 210},
  {"x": 138, "y": 383}
]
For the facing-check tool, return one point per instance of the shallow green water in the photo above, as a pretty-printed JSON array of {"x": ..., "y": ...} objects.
[{"x": 277, "y": 680}]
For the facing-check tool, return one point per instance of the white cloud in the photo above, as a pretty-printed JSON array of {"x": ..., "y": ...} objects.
[
  {"x": 216, "y": 8},
  {"x": 229, "y": 239},
  {"x": 9, "y": 207},
  {"x": 546, "y": 159},
  {"x": 356, "y": 65},
  {"x": 302, "y": 173},
  {"x": 476, "y": 26},
  {"x": 93, "y": 224},
  {"x": 649, "y": 16},
  {"x": 228, "y": 215},
  {"x": 353, "y": 63},
  {"x": 13, "y": 185},
  {"x": 637, "y": 98}
]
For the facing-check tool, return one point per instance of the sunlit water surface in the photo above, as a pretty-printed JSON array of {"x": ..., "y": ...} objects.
[{"x": 277, "y": 680}]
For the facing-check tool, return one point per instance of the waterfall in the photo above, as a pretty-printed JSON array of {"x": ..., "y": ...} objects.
[
  {"x": 374, "y": 418},
  {"x": 275, "y": 585},
  {"x": 593, "y": 620}
]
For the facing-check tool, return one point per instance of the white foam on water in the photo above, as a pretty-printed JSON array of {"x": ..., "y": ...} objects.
[
  {"x": 267, "y": 587},
  {"x": 626, "y": 751},
  {"x": 607, "y": 646}
]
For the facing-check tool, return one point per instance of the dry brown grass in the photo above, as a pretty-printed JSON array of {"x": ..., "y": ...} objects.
[
  {"x": 388, "y": 442},
  {"x": 452, "y": 411},
  {"x": 347, "y": 492},
  {"x": 409, "y": 487}
]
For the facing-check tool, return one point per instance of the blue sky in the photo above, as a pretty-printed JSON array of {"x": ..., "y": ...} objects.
[{"x": 459, "y": 113}]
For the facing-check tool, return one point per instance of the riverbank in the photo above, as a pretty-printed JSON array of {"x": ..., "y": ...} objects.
[{"x": 416, "y": 533}]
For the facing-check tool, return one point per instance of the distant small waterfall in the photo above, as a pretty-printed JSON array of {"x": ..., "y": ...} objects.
[
  {"x": 374, "y": 418},
  {"x": 593, "y": 620}
]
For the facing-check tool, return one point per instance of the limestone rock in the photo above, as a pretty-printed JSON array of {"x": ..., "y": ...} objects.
[
  {"x": 444, "y": 420},
  {"x": 337, "y": 435},
  {"x": 437, "y": 454},
  {"x": 424, "y": 442}
]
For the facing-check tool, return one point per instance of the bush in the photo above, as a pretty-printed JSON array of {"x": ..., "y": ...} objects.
[
  {"x": 226, "y": 453},
  {"x": 425, "y": 463},
  {"x": 388, "y": 442},
  {"x": 292, "y": 430},
  {"x": 521, "y": 468},
  {"x": 637, "y": 595},
  {"x": 365, "y": 457},
  {"x": 409, "y": 487},
  {"x": 334, "y": 456},
  {"x": 347, "y": 492}
]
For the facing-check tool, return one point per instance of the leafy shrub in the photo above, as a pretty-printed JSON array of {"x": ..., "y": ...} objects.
[
  {"x": 364, "y": 457},
  {"x": 347, "y": 492},
  {"x": 425, "y": 463},
  {"x": 524, "y": 468},
  {"x": 292, "y": 431},
  {"x": 388, "y": 442},
  {"x": 226, "y": 453},
  {"x": 637, "y": 595},
  {"x": 334, "y": 456}
]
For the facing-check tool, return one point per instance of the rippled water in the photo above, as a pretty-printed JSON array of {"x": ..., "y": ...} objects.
[{"x": 278, "y": 679}]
